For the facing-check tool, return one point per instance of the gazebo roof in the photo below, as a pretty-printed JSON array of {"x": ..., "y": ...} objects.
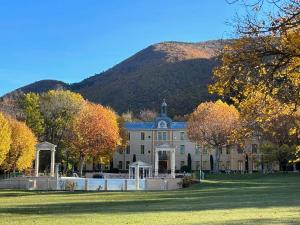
[
  {"x": 45, "y": 146},
  {"x": 140, "y": 164}
]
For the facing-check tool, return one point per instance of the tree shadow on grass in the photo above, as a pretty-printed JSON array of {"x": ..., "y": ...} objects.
[
  {"x": 155, "y": 205},
  {"x": 289, "y": 221},
  {"x": 213, "y": 195}
]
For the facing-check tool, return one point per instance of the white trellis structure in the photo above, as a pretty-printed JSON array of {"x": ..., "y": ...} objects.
[
  {"x": 165, "y": 148},
  {"x": 134, "y": 172},
  {"x": 135, "y": 167},
  {"x": 45, "y": 146}
]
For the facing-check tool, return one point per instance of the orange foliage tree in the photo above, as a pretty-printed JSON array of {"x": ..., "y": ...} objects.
[
  {"x": 5, "y": 137},
  {"x": 214, "y": 124},
  {"x": 22, "y": 148},
  {"x": 94, "y": 133}
]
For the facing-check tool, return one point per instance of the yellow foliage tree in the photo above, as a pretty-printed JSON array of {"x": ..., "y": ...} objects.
[
  {"x": 94, "y": 133},
  {"x": 270, "y": 119},
  {"x": 259, "y": 72},
  {"x": 214, "y": 124},
  {"x": 5, "y": 137},
  {"x": 22, "y": 148}
]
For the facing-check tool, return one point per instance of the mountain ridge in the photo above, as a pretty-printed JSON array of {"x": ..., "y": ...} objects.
[{"x": 177, "y": 71}]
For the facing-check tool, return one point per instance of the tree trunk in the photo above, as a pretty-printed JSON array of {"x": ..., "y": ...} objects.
[{"x": 82, "y": 159}]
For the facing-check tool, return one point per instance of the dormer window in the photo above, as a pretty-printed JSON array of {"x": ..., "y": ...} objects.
[{"x": 162, "y": 124}]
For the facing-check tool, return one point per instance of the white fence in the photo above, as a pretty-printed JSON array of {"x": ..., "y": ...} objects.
[{"x": 88, "y": 184}]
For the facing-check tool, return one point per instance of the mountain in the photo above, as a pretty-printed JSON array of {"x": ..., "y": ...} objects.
[
  {"x": 39, "y": 87},
  {"x": 176, "y": 71}
]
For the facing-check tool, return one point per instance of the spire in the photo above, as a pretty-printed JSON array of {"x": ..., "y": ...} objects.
[{"x": 163, "y": 110}]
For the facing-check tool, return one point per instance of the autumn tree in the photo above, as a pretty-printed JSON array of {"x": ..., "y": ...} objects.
[
  {"x": 147, "y": 115},
  {"x": 259, "y": 71},
  {"x": 95, "y": 133},
  {"x": 214, "y": 124},
  {"x": 128, "y": 116},
  {"x": 59, "y": 108},
  {"x": 22, "y": 149},
  {"x": 281, "y": 154},
  {"x": 10, "y": 105},
  {"x": 33, "y": 116},
  {"x": 5, "y": 137},
  {"x": 271, "y": 120}
]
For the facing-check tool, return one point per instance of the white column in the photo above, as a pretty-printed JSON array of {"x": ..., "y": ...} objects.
[
  {"x": 129, "y": 173},
  {"x": 37, "y": 162},
  {"x": 137, "y": 177},
  {"x": 52, "y": 163},
  {"x": 173, "y": 163},
  {"x": 156, "y": 164}
]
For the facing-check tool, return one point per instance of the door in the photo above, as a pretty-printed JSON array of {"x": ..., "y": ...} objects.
[
  {"x": 163, "y": 166},
  {"x": 211, "y": 163}
]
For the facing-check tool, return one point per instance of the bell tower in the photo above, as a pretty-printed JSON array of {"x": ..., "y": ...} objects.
[{"x": 163, "y": 110}]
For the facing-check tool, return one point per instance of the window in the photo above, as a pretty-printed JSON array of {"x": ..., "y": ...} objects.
[
  {"x": 204, "y": 151},
  {"x": 182, "y": 149},
  {"x": 162, "y": 124},
  {"x": 120, "y": 151},
  {"x": 142, "y": 149},
  {"x": 197, "y": 149},
  {"x": 240, "y": 165},
  {"x": 161, "y": 135},
  {"x": 142, "y": 136},
  {"x": 128, "y": 149},
  {"x": 182, "y": 136},
  {"x": 254, "y": 148},
  {"x": 127, "y": 165},
  {"x": 128, "y": 135},
  {"x": 120, "y": 165},
  {"x": 228, "y": 165},
  {"x": 228, "y": 149},
  {"x": 164, "y": 136},
  {"x": 240, "y": 149}
]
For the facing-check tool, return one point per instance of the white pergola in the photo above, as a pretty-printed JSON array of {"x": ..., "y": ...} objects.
[
  {"x": 45, "y": 146},
  {"x": 134, "y": 170},
  {"x": 165, "y": 148}
]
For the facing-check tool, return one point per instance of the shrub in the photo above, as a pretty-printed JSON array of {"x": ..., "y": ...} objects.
[
  {"x": 184, "y": 169},
  {"x": 70, "y": 185},
  {"x": 114, "y": 170},
  {"x": 187, "y": 181}
]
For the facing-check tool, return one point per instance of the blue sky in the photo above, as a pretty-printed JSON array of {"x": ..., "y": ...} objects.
[{"x": 70, "y": 40}]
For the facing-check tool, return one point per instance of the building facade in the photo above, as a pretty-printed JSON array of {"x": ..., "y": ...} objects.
[{"x": 146, "y": 138}]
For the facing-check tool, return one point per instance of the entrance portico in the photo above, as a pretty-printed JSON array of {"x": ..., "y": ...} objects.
[{"x": 165, "y": 148}]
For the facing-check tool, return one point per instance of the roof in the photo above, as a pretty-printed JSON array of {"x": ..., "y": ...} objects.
[
  {"x": 151, "y": 125},
  {"x": 45, "y": 146},
  {"x": 140, "y": 164}
]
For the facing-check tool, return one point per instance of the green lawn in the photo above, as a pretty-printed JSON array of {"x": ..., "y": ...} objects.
[{"x": 227, "y": 199}]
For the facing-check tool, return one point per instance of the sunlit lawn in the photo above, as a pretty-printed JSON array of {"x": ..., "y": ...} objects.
[{"x": 234, "y": 199}]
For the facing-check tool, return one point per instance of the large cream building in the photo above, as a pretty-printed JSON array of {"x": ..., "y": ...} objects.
[{"x": 164, "y": 143}]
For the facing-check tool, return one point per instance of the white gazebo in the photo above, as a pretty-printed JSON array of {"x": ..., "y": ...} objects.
[
  {"x": 134, "y": 172},
  {"x": 45, "y": 146},
  {"x": 165, "y": 148},
  {"x": 135, "y": 167}
]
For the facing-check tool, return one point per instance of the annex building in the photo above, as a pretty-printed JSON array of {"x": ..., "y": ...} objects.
[{"x": 165, "y": 145}]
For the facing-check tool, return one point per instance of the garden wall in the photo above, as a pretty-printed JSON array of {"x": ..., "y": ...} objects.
[{"x": 88, "y": 184}]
